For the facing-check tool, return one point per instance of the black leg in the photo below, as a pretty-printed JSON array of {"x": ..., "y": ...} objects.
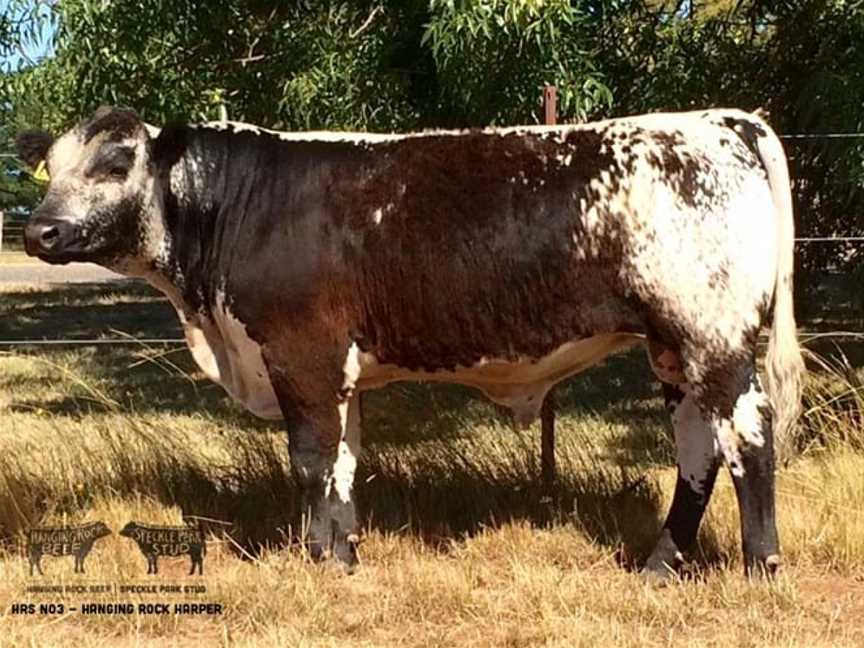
[
  {"x": 755, "y": 492},
  {"x": 697, "y": 472},
  {"x": 326, "y": 478},
  {"x": 743, "y": 427}
]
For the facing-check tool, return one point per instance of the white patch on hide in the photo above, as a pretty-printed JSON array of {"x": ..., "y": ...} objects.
[
  {"x": 747, "y": 418},
  {"x": 349, "y": 448},
  {"x": 727, "y": 439},
  {"x": 694, "y": 441},
  {"x": 229, "y": 357}
]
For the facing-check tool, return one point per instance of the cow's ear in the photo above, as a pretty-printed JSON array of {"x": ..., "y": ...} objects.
[
  {"x": 170, "y": 145},
  {"x": 32, "y": 146}
]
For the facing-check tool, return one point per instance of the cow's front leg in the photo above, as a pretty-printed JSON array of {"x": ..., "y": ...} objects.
[
  {"x": 316, "y": 388},
  {"x": 324, "y": 454}
]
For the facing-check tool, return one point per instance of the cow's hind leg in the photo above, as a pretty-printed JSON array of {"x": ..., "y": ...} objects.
[
  {"x": 698, "y": 462},
  {"x": 743, "y": 425}
]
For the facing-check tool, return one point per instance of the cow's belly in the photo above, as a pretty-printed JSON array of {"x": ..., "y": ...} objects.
[
  {"x": 229, "y": 357},
  {"x": 520, "y": 385}
]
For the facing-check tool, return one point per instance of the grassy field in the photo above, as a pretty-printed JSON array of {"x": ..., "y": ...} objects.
[{"x": 461, "y": 546}]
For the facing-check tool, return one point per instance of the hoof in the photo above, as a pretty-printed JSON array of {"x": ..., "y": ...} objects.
[
  {"x": 659, "y": 575},
  {"x": 662, "y": 565},
  {"x": 764, "y": 567},
  {"x": 772, "y": 563},
  {"x": 317, "y": 551},
  {"x": 345, "y": 552}
]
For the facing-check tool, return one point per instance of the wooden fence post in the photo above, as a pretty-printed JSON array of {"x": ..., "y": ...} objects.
[
  {"x": 550, "y": 105},
  {"x": 547, "y": 411},
  {"x": 547, "y": 442}
]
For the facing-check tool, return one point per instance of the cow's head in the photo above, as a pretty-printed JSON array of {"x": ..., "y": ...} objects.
[
  {"x": 129, "y": 530},
  {"x": 101, "y": 530},
  {"x": 102, "y": 204}
]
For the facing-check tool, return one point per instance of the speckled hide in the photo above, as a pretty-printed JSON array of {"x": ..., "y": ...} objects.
[{"x": 308, "y": 267}]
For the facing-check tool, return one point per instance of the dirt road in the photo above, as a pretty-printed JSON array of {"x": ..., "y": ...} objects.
[{"x": 44, "y": 273}]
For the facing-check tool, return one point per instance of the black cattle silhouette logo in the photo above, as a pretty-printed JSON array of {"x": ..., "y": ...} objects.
[
  {"x": 63, "y": 541},
  {"x": 171, "y": 541}
]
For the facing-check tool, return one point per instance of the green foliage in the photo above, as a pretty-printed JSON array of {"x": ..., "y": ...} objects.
[
  {"x": 25, "y": 25},
  {"x": 283, "y": 65},
  {"x": 17, "y": 189},
  {"x": 494, "y": 56},
  {"x": 408, "y": 64}
]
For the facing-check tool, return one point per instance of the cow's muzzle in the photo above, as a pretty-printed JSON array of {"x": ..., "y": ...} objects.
[{"x": 48, "y": 238}]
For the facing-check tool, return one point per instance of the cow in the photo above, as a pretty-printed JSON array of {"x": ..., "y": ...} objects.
[
  {"x": 63, "y": 541},
  {"x": 171, "y": 541},
  {"x": 307, "y": 268}
]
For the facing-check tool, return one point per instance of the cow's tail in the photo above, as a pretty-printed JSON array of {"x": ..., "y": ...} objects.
[{"x": 784, "y": 364}]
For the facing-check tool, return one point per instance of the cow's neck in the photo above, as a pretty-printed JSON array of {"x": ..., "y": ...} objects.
[
  {"x": 206, "y": 196},
  {"x": 223, "y": 188}
]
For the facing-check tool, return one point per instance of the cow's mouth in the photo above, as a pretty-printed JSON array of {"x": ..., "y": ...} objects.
[{"x": 54, "y": 241}]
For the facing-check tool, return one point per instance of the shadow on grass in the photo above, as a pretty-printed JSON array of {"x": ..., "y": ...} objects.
[
  {"x": 437, "y": 491},
  {"x": 451, "y": 500},
  {"x": 141, "y": 382},
  {"x": 407, "y": 482},
  {"x": 76, "y": 311}
]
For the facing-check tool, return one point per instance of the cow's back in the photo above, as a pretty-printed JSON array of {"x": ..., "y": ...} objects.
[{"x": 442, "y": 249}]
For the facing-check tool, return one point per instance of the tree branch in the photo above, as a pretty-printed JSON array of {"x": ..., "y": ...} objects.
[{"x": 367, "y": 22}]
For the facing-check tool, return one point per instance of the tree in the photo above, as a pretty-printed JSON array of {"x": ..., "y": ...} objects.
[
  {"x": 493, "y": 57},
  {"x": 360, "y": 65},
  {"x": 398, "y": 65}
]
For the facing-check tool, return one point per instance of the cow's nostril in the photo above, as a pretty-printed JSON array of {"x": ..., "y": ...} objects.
[{"x": 50, "y": 235}]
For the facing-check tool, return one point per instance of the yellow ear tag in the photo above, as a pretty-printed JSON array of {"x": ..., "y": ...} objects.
[{"x": 40, "y": 174}]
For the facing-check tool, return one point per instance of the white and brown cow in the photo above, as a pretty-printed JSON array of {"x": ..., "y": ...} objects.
[{"x": 307, "y": 268}]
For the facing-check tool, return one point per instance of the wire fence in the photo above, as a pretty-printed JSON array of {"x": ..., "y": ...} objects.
[
  {"x": 13, "y": 233},
  {"x": 814, "y": 136},
  {"x": 17, "y": 231},
  {"x": 91, "y": 342}
]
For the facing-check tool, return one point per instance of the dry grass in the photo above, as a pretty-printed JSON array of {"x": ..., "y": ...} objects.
[{"x": 461, "y": 546}]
